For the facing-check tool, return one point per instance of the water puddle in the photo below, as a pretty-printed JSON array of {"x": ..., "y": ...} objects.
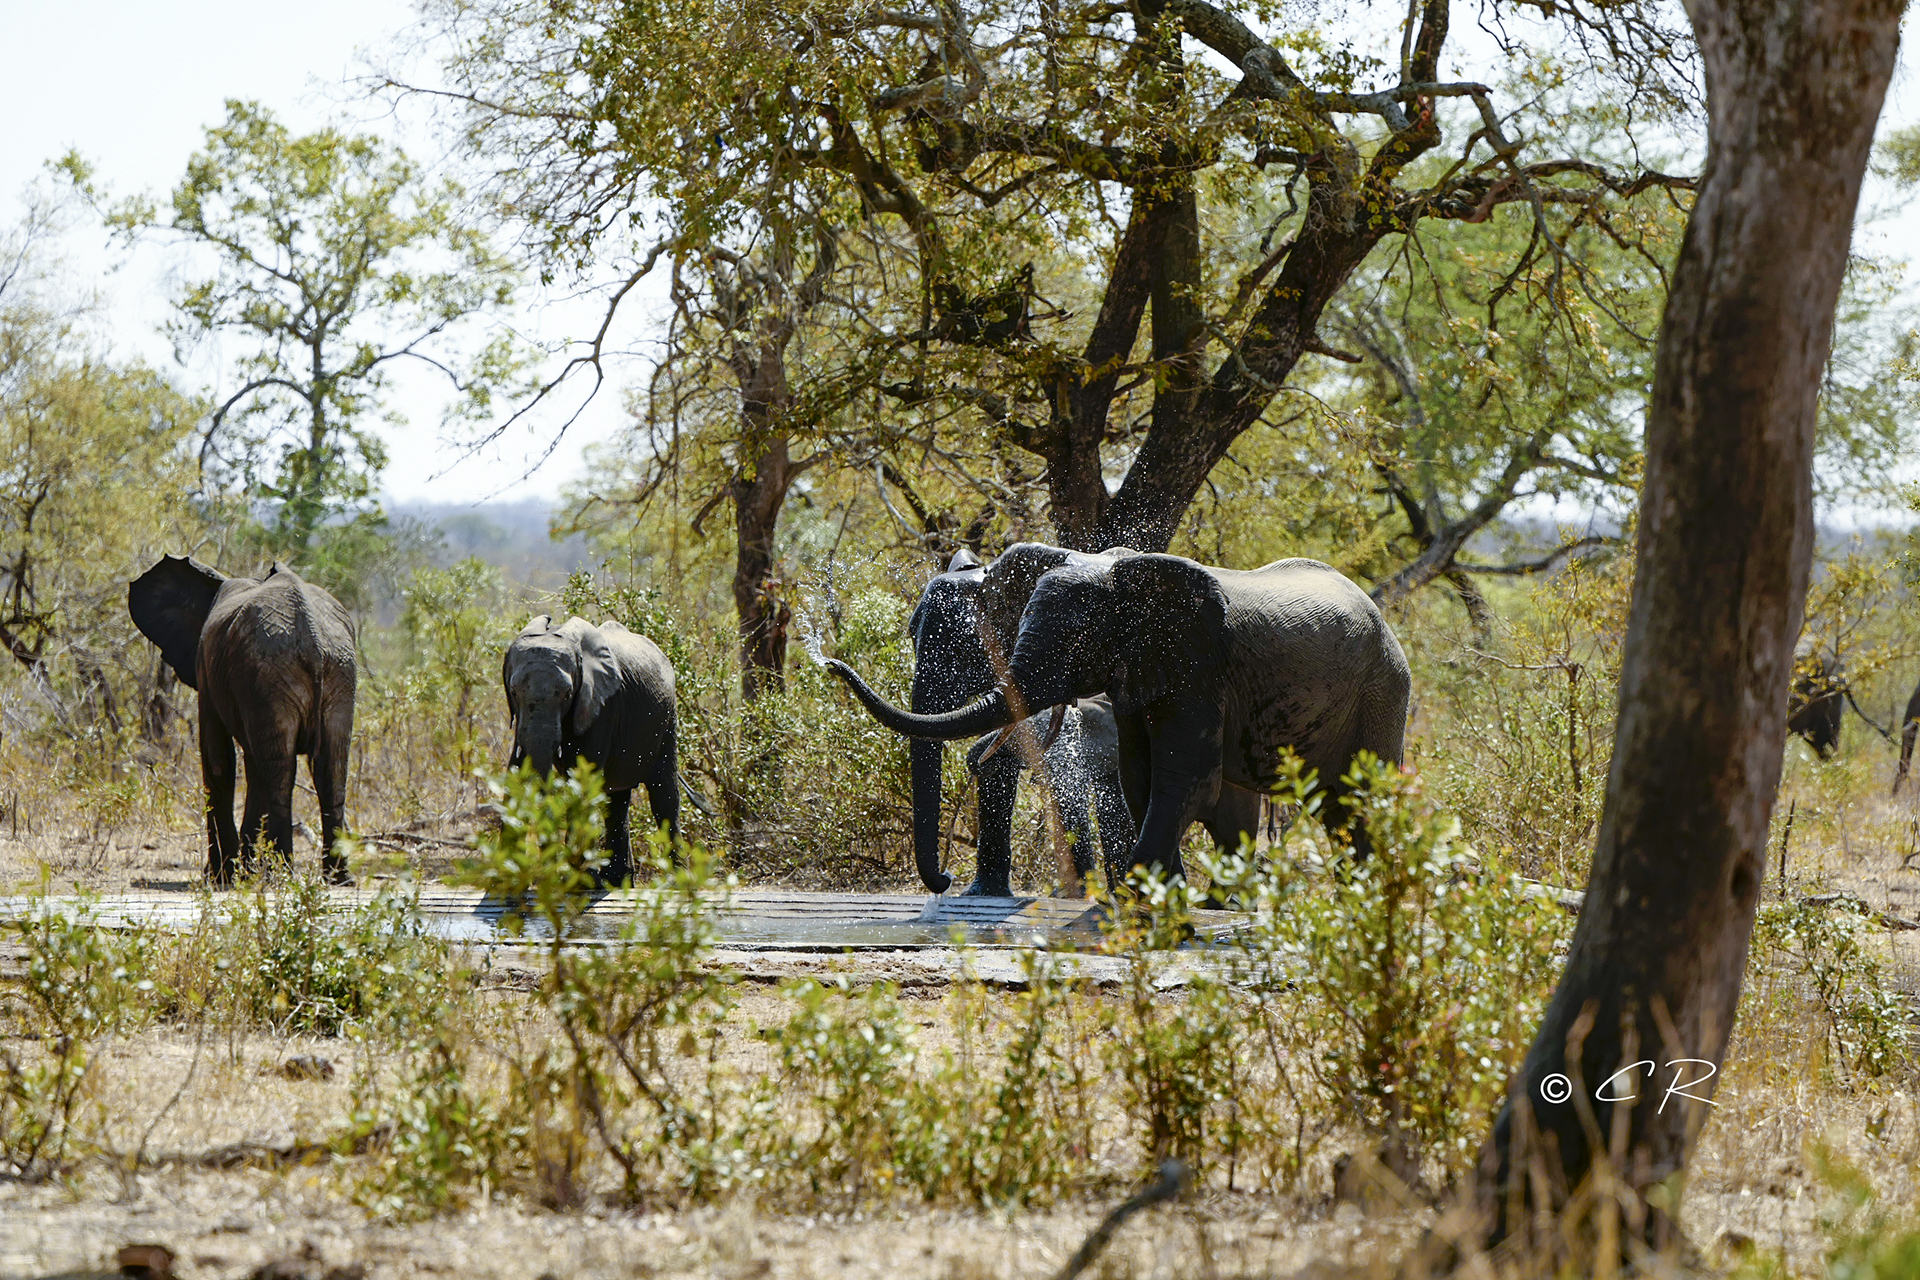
[{"x": 748, "y": 921}]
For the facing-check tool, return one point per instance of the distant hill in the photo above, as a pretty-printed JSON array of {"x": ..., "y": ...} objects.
[{"x": 512, "y": 535}]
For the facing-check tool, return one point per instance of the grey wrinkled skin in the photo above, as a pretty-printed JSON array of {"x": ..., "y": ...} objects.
[
  {"x": 273, "y": 661},
  {"x": 1083, "y": 769},
  {"x": 1211, "y": 672},
  {"x": 604, "y": 695}
]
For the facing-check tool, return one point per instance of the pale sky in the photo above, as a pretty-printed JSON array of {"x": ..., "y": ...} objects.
[{"x": 133, "y": 84}]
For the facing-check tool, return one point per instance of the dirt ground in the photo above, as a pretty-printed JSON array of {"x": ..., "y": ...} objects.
[{"x": 174, "y": 1101}]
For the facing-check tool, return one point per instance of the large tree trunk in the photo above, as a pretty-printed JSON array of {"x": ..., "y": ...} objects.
[
  {"x": 1725, "y": 538},
  {"x": 759, "y": 491}
]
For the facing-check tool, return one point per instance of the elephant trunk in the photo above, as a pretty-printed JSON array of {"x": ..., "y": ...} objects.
[
  {"x": 925, "y": 756},
  {"x": 990, "y": 712},
  {"x": 932, "y": 693},
  {"x": 538, "y": 745}
]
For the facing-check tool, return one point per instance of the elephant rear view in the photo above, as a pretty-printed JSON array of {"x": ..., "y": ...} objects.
[
  {"x": 604, "y": 695},
  {"x": 1817, "y": 699},
  {"x": 273, "y": 661}
]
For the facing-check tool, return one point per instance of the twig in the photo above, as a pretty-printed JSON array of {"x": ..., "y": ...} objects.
[
  {"x": 237, "y": 1154},
  {"x": 1886, "y": 919},
  {"x": 1174, "y": 1178},
  {"x": 403, "y": 838},
  {"x": 1786, "y": 834},
  {"x": 1869, "y": 719}
]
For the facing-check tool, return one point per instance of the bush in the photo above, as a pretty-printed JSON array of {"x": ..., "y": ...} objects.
[
  {"x": 1818, "y": 946},
  {"x": 83, "y": 983},
  {"x": 1399, "y": 993}
]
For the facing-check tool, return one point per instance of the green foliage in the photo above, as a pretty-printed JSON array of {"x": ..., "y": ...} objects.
[
  {"x": 337, "y": 259},
  {"x": 83, "y": 983},
  {"x": 439, "y": 1137},
  {"x": 1822, "y": 946},
  {"x": 1522, "y": 737},
  {"x": 542, "y": 858},
  {"x": 1401, "y": 991},
  {"x": 458, "y": 621},
  {"x": 94, "y": 485},
  {"x": 1866, "y": 1239},
  {"x": 1013, "y": 1127},
  {"x": 851, "y": 1057}
]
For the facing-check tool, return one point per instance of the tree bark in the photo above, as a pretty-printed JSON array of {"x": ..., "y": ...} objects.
[
  {"x": 759, "y": 491},
  {"x": 1725, "y": 539}
]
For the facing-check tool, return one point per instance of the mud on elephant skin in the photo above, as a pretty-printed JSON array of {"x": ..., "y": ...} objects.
[
  {"x": 1211, "y": 672},
  {"x": 273, "y": 661},
  {"x": 1082, "y": 766},
  {"x": 577, "y": 691}
]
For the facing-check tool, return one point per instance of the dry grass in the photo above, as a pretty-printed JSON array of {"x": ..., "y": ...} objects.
[{"x": 1754, "y": 1180}]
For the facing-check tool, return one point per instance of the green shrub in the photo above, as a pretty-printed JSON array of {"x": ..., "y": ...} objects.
[
  {"x": 1399, "y": 993},
  {"x": 1014, "y": 1127},
  {"x": 849, "y": 1057},
  {"x": 83, "y": 983},
  {"x": 1820, "y": 946}
]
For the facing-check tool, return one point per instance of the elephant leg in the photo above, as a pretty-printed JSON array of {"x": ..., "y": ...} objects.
[
  {"x": 663, "y": 793},
  {"x": 998, "y": 779},
  {"x": 619, "y": 868},
  {"x": 1184, "y": 751},
  {"x": 328, "y": 764},
  {"x": 1172, "y": 805},
  {"x": 1235, "y": 815},
  {"x": 269, "y": 806},
  {"x": 1074, "y": 799},
  {"x": 1136, "y": 770},
  {"x": 217, "y": 773},
  {"x": 1116, "y": 828},
  {"x": 1343, "y": 825}
]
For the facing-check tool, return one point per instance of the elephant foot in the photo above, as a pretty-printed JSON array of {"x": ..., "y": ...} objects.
[
  {"x": 988, "y": 889},
  {"x": 614, "y": 875}
]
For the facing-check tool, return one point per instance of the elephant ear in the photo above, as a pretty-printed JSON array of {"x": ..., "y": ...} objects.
[
  {"x": 170, "y": 603},
  {"x": 1173, "y": 626},
  {"x": 599, "y": 672}
]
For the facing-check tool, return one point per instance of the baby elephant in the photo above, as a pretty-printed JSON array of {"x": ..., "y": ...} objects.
[
  {"x": 272, "y": 659},
  {"x": 605, "y": 695}
]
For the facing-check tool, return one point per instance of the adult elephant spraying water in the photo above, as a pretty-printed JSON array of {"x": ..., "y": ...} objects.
[
  {"x": 1210, "y": 671},
  {"x": 963, "y": 631},
  {"x": 604, "y": 695},
  {"x": 272, "y": 659}
]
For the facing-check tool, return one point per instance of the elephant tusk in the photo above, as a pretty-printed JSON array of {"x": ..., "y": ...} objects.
[
  {"x": 999, "y": 742},
  {"x": 1053, "y": 725}
]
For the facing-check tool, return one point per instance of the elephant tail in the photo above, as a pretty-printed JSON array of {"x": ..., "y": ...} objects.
[{"x": 695, "y": 798}]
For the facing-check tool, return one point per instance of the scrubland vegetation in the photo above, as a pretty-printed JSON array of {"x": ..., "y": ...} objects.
[{"x": 872, "y": 363}]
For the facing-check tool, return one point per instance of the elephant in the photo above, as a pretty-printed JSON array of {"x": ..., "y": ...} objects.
[
  {"x": 955, "y": 654},
  {"x": 604, "y": 695},
  {"x": 1211, "y": 672},
  {"x": 1818, "y": 697},
  {"x": 1083, "y": 767},
  {"x": 273, "y": 661}
]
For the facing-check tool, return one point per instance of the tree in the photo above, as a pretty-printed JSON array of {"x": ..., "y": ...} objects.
[
  {"x": 335, "y": 260},
  {"x": 93, "y": 487},
  {"x": 1048, "y": 215},
  {"x": 1725, "y": 541}
]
